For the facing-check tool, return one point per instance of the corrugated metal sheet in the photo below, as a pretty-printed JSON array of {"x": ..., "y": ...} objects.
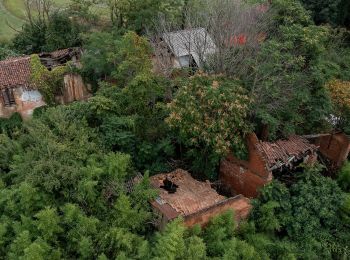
[{"x": 196, "y": 42}]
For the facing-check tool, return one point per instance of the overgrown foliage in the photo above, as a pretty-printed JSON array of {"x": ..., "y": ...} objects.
[
  {"x": 340, "y": 94},
  {"x": 63, "y": 173},
  {"x": 329, "y": 11},
  {"x": 58, "y": 31},
  {"x": 210, "y": 114},
  {"x": 307, "y": 214},
  {"x": 49, "y": 83}
]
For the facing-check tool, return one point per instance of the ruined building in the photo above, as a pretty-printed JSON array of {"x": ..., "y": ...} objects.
[
  {"x": 272, "y": 159},
  {"x": 334, "y": 148},
  {"x": 197, "y": 202},
  {"x": 265, "y": 158},
  {"x": 18, "y": 95}
]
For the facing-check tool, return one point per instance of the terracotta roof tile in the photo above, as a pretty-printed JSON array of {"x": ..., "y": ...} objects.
[
  {"x": 191, "y": 195},
  {"x": 282, "y": 152},
  {"x": 15, "y": 72}
]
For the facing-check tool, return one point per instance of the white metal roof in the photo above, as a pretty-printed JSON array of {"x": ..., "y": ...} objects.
[{"x": 196, "y": 42}]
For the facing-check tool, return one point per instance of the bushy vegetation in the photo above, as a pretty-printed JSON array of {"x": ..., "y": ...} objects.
[{"x": 63, "y": 173}]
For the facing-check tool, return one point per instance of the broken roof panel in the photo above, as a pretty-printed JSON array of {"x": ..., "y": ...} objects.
[
  {"x": 283, "y": 152},
  {"x": 190, "y": 196},
  {"x": 58, "y": 54}
]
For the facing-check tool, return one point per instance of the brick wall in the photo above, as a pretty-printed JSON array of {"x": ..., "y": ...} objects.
[
  {"x": 239, "y": 204},
  {"x": 241, "y": 180},
  {"x": 245, "y": 177},
  {"x": 335, "y": 147}
]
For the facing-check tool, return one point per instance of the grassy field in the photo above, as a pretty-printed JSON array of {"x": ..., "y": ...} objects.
[
  {"x": 12, "y": 13},
  {"x": 8, "y": 20}
]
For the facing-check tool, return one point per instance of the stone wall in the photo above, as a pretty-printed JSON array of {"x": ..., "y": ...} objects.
[{"x": 239, "y": 204}]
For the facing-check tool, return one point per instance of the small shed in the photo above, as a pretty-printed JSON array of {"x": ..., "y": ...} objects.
[{"x": 190, "y": 47}]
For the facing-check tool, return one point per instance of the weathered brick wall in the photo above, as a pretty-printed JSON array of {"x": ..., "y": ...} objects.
[
  {"x": 241, "y": 180},
  {"x": 256, "y": 163},
  {"x": 239, "y": 204},
  {"x": 335, "y": 147},
  {"x": 245, "y": 177}
]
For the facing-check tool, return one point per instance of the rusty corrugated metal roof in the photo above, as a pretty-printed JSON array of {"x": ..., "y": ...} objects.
[{"x": 283, "y": 152}]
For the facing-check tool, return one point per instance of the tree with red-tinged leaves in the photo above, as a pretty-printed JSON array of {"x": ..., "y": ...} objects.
[{"x": 235, "y": 27}]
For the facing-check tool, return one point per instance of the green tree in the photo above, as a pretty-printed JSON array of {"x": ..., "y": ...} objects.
[
  {"x": 288, "y": 82},
  {"x": 325, "y": 11},
  {"x": 210, "y": 115},
  {"x": 56, "y": 31},
  {"x": 344, "y": 177},
  {"x": 306, "y": 214},
  {"x": 61, "y": 32},
  {"x": 109, "y": 56},
  {"x": 170, "y": 244},
  {"x": 140, "y": 15}
]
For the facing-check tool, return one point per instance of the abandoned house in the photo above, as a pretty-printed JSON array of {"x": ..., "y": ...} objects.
[
  {"x": 334, "y": 148},
  {"x": 18, "y": 95},
  {"x": 59, "y": 57},
  {"x": 265, "y": 160},
  {"x": 184, "y": 49},
  {"x": 196, "y": 202}
]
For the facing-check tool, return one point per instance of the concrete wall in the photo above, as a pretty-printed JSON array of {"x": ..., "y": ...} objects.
[
  {"x": 26, "y": 101},
  {"x": 239, "y": 204}
]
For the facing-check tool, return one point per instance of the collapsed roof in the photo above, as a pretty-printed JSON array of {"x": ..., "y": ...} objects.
[
  {"x": 190, "y": 196},
  {"x": 285, "y": 152},
  {"x": 58, "y": 57},
  {"x": 15, "y": 72}
]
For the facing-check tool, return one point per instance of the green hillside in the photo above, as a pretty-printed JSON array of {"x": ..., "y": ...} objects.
[
  {"x": 12, "y": 15},
  {"x": 8, "y": 20}
]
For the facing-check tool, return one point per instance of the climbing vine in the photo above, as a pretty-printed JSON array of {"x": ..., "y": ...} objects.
[{"x": 49, "y": 83}]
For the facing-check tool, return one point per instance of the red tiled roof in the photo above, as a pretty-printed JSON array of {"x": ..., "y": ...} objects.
[
  {"x": 191, "y": 195},
  {"x": 15, "y": 72},
  {"x": 282, "y": 152}
]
